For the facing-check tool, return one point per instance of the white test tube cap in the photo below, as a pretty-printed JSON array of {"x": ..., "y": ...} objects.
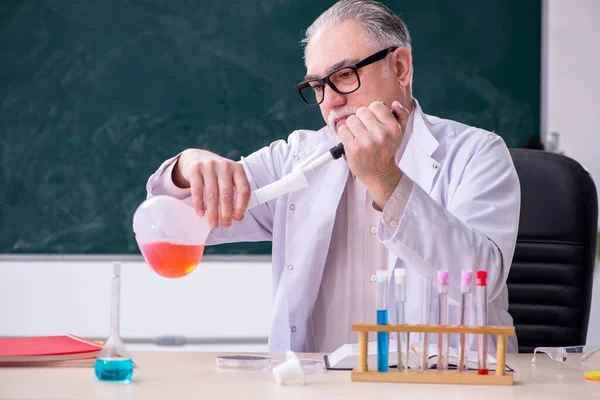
[
  {"x": 289, "y": 372},
  {"x": 381, "y": 276},
  {"x": 399, "y": 275}
]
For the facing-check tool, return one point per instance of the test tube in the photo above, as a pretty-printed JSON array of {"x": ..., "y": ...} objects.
[
  {"x": 425, "y": 311},
  {"x": 465, "y": 309},
  {"x": 442, "y": 362},
  {"x": 382, "y": 319},
  {"x": 400, "y": 299},
  {"x": 481, "y": 293}
]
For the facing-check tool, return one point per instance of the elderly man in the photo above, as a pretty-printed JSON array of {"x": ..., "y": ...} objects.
[{"x": 419, "y": 193}]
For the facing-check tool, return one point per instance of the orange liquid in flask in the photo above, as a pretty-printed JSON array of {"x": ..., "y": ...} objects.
[{"x": 172, "y": 260}]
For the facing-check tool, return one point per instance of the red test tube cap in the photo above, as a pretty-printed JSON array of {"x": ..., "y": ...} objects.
[{"x": 481, "y": 278}]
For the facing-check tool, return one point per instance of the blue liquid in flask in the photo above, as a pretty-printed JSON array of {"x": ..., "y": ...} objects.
[
  {"x": 382, "y": 342},
  {"x": 114, "y": 370}
]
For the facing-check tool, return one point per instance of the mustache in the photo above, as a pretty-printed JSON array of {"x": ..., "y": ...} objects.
[{"x": 339, "y": 113}]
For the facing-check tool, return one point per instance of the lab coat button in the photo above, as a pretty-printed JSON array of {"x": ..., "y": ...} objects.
[
  {"x": 293, "y": 329},
  {"x": 296, "y": 157},
  {"x": 290, "y": 267},
  {"x": 292, "y": 207},
  {"x": 373, "y": 278},
  {"x": 435, "y": 166},
  {"x": 393, "y": 223},
  {"x": 373, "y": 229}
]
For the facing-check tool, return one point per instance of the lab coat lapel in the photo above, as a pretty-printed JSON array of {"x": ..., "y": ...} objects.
[
  {"x": 321, "y": 198},
  {"x": 326, "y": 191},
  {"x": 417, "y": 163}
]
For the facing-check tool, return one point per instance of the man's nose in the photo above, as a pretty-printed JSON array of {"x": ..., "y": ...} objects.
[{"x": 332, "y": 98}]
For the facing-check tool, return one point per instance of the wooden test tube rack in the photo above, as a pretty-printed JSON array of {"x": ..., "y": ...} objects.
[{"x": 497, "y": 377}]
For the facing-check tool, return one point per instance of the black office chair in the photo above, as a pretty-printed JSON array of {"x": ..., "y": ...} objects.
[{"x": 550, "y": 281}]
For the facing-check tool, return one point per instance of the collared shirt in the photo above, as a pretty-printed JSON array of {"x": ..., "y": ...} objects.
[{"x": 348, "y": 287}]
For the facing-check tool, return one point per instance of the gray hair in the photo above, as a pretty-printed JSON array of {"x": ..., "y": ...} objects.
[{"x": 381, "y": 27}]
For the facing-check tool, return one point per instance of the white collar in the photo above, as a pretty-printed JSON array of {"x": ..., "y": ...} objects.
[{"x": 407, "y": 134}]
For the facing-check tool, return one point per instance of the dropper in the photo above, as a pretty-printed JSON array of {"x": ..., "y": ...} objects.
[{"x": 296, "y": 179}]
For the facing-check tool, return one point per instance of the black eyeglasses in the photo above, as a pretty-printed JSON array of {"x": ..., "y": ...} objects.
[{"x": 344, "y": 80}]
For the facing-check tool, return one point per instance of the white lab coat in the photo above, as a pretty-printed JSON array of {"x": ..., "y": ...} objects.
[{"x": 463, "y": 212}]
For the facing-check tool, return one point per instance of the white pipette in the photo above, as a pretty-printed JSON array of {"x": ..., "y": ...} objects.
[{"x": 296, "y": 179}]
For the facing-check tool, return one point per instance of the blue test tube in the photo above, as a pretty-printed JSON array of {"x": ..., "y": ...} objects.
[{"x": 382, "y": 319}]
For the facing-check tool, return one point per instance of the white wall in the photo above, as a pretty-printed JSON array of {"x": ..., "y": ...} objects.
[
  {"x": 61, "y": 296},
  {"x": 221, "y": 302},
  {"x": 572, "y": 95}
]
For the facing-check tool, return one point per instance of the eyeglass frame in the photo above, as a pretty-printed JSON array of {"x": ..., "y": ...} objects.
[{"x": 373, "y": 58}]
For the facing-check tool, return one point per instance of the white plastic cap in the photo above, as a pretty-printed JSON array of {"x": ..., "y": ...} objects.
[
  {"x": 381, "y": 276},
  {"x": 289, "y": 372},
  {"x": 290, "y": 355},
  {"x": 399, "y": 275}
]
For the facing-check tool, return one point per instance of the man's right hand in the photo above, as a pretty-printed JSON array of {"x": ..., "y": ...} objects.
[{"x": 213, "y": 181}]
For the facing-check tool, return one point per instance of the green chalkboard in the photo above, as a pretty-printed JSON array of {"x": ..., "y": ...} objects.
[{"x": 94, "y": 95}]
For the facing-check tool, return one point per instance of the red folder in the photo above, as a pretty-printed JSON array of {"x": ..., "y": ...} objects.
[{"x": 47, "y": 349}]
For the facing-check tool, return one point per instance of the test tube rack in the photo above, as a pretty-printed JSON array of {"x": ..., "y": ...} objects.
[{"x": 362, "y": 372}]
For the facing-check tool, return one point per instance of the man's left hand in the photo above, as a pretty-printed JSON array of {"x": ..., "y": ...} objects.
[{"x": 371, "y": 139}]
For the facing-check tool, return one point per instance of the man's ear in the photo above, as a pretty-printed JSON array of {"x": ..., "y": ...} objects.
[{"x": 403, "y": 65}]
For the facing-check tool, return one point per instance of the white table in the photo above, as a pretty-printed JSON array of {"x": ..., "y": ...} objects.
[{"x": 187, "y": 375}]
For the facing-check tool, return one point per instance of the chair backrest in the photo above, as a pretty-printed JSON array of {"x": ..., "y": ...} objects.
[{"x": 550, "y": 281}]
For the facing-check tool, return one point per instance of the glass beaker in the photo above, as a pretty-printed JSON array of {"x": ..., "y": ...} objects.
[{"x": 170, "y": 235}]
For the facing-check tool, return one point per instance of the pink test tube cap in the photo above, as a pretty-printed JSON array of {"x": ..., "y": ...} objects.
[
  {"x": 442, "y": 276},
  {"x": 466, "y": 276}
]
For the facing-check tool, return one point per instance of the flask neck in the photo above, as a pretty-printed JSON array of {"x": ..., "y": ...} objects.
[{"x": 115, "y": 305}]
